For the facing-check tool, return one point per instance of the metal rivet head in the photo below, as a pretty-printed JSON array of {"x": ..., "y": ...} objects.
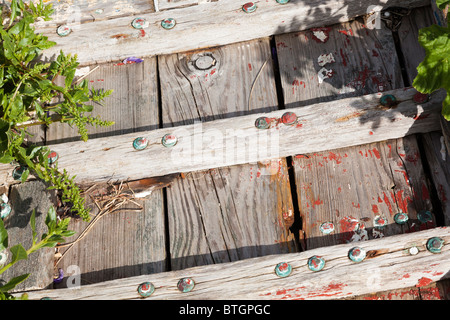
[
  {"x": 146, "y": 289},
  {"x": 169, "y": 140},
  {"x": 425, "y": 216},
  {"x": 168, "y": 23},
  {"x": 379, "y": 222},
  {"x": 52, "y": 157},
  {"x": 139, "y": 23},
  {"x": 3, "y": 257},
  {"x": 283, "y": 269},
  {"x": 249, "y": 7},
  {"x": 357, "y": 254},
  {"x": 326, "y": 227},
  {"x": 388, "y": 100},
  {"x": 413, "y": 250},
  {"x": 421, "y": 97},
  {"x": 5, "y": 210},
  {"x": 18, "y": 172},
  {"x": 262, "y": 123},
  {"x": 140, "y": 143},
  {"x": 282, "y": 1},
  {"x": 316, "y": 263},
  {"x": 401, "y": 218},
  {"x": 63, "y": 31},
  {"x": 289, "y": 118},
  {"x": 185, "y": 285},
  {"x": 434, "y": 245}
]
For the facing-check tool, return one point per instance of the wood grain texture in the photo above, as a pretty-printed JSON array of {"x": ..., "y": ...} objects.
[
  {"x": 121, "y": 244},
  {"x": 209, "y": 25},
  {"x": 321, "y": 127},
  {"x": 254, "y": 279},
  {"x": 362, "y": 61},
  {"x": 133, "y": 105},
  {"x": 236, "y": 212}
]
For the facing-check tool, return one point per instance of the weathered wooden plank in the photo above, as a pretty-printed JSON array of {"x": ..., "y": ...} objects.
[
  {"x": 121, "y": 244},
  {"x": 133, "y": 105},
  {"x": 231, "y": 213},
  {"x": 24, "y": 199},
  {"x": 321, "y": 127},
  {"x": 214, "y": 24},
  {"x": 335, "y": 62},
  {"x": 389, "y": 267}
]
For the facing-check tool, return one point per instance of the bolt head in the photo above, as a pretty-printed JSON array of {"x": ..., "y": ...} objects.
[
  {"x": 185, "y": 285},
  {"x": 425, "y": 216},
  {"x": 140, "y": 143},
  {"x": 388, "y": 100},
  {"x": 63, "y": 30},
  {"x": 380, "y": 222},
  {"x": 249, "y": 7},
  {"x": 52, "y": 157},
  {"x": 262, "y": 123},
  {"x": 169, "y": 140},
  {"x": 326, "y": 227},
  {"x": 282, "y": 1},
  {"x": 316, "y": 263},
  {"x": 146, "y": 289},
  {"x": 168, "y": 23},
  {"x": 289, "y": 118},
  {"x": 401, "y": 218},
  {"x": 139, "y": 23},
  {"x": 435, "y": 244},
  {"x": 18, "y": 172},
  {"x": 283, "y": 269},
  {"x": 357, "y": 254},
  {"x": 5, "y": 210}
]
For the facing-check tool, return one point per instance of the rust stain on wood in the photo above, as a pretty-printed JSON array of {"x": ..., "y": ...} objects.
[
  {"x": 120, "y": 36},
  {"x": 350, "y": 116}
]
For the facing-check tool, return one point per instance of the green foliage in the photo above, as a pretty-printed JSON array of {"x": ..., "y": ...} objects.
[
  {"x": 434, "y": 71},
  {"x": 57, "y": 231},
  {"x": 27, "y": 89}
]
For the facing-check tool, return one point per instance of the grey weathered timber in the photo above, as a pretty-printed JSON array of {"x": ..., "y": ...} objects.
[
  {"x": 203, "y": 26},
  {"x": 25, "y": 198},
  {"x": 231, "y": 213},
  {"x": 350, "y": 187},
  {"x": 388, "y": 266},
  {"x": 215, "y": 144}
]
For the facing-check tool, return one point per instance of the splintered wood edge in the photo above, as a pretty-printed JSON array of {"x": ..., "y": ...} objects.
[
  {"x": 203, "y": 26},
  {"x": 233, "y": 141},
  {"x": 389, "y": 266}
]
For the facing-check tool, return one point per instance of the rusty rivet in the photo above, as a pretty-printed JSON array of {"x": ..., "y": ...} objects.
[
  {"x": 388, "y": 100},
  {"x": 139, "y": 23},
  {"x": 249, "y": 7},
  {"x": 169, "y": 140},
  {"x": 326, "y": 227},
  {"x": 168, "y": 23},
  {"x": 421, "y": 98},
  {"x": 283, "y": 269},
  {"x": 401, "y": 218},
  {"x": 435, "y": 244},
  {"x": 63, "y": 30},
  {"x": 282, "y": 1},
  {"x": 146, "y": 289},
  {"x": 425, "y": 216},
  {"x": 186, "y": 284},
  {"x": 262, "y": 123},
  {"x": 18, "y": 172},
  {"x": 140, "y": 143},
  {"x": 379, "y": 222},
  {"x": 289, "y": 118},
  {"x": 316, "y": 263},
  {"x": 357, "y": 254}
]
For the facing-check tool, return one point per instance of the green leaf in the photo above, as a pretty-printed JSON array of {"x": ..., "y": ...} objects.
[
  {"x": 442, "y": 3},
  {"x": 14, "y": 282},
  {"x": 50, "y": 220},
  {"x": 3, "y": 236},
  {"x": 18, "y": 253}
]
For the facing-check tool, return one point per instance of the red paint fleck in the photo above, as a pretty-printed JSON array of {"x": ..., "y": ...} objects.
[
  {"x": 371, "y": 133},
  {"x": 380, "y": 200},
  {"x": 413, "y": 158},
  {"x": 212, "y": 71},
  {"x": 390, "y": 151},
  {"x": 405, "y": 276},
  {"x": 405, "y": 175},
  {"x": 142, "y": 33},
  {"x": 386, "y": 200},
  {"x": 375, "y": 209},
  {"x": 375, "y": 53},
  {"x": 344, "y": 60},
  {"x": 356, "y": 205},
  {"x": 340, "y": 189},
  {"x": 281, "y": 45},
  {"x": 249, "y": 67},
  {"x": 347, "y": 32},
  {"x": 337, "y": 158},
  {"x": 376, "y": 153},
  {"x": 423, "y": 282}
]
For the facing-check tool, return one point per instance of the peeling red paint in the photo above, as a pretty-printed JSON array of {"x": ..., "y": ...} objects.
[
  {"x": 386, "y": 200},
  {"x": 423, "y": 282},
  {"x": 249, "y": 67},
  {"x": 375, "y": 209},
  {"x": 347, "y": 32}
]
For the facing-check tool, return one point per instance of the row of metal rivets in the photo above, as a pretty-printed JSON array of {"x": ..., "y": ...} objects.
[
  {"x": 168, "y": 141},
  {"x": 169, "y": 23},
  {"x": 284, "y": 269}
]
